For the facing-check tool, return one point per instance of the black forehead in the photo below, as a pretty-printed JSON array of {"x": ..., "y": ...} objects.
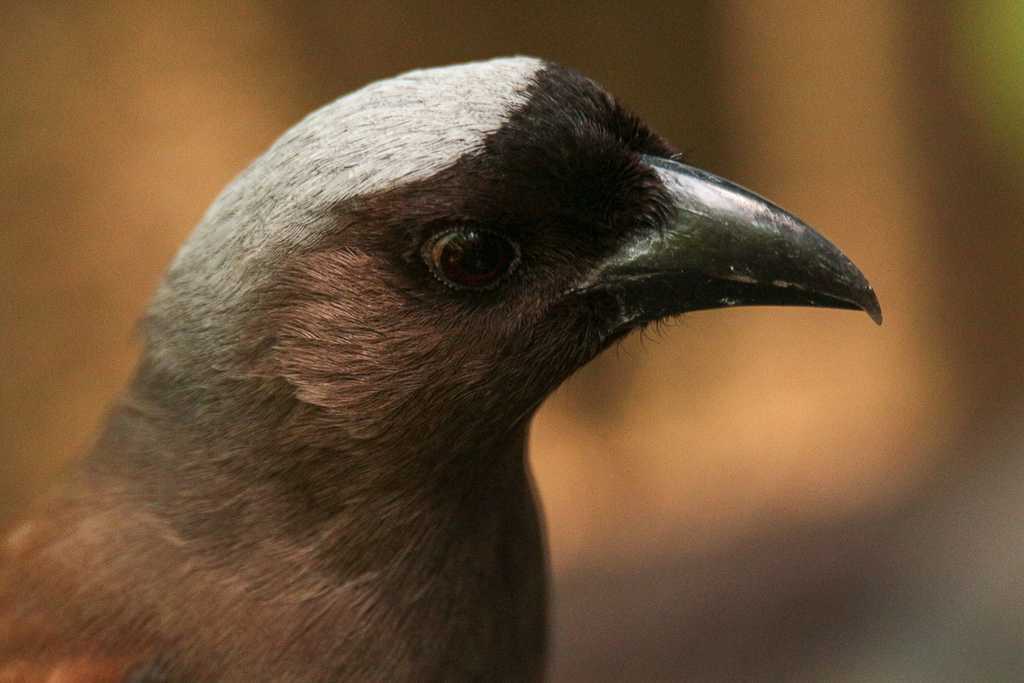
[
  {"x": 570, "y": 154},
  {"x": 565, "y": 112},
  {"x": 573, "y": 150}
]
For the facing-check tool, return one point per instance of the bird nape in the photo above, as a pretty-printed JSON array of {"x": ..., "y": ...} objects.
[{"x": 317, "y": 472}]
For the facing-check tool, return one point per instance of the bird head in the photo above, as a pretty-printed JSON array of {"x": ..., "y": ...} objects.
[{"x": 424, "y": 260}]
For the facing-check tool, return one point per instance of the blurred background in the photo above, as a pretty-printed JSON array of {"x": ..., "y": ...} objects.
[{"x": 747, "y": 494}]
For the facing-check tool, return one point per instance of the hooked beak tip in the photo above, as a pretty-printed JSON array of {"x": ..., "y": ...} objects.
[{"x": 869, "y": 304}]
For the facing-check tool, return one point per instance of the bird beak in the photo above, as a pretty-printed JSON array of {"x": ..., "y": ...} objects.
[{"x": 724, "y": 246}]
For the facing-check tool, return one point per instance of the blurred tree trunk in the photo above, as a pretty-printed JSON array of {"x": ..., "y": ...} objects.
[{"x": 974, "y": 184}]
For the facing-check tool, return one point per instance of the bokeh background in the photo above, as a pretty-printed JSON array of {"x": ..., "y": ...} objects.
[{"x": 748, "y": 494}]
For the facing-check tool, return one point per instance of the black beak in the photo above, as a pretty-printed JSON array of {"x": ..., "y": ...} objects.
[{"x": 725, "y": 246}]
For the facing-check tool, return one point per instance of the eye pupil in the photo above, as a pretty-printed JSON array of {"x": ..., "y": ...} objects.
[{"x": 472, "y": 259}]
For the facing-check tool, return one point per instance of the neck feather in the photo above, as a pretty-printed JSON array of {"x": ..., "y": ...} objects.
[{"x": 416, "y": 562}]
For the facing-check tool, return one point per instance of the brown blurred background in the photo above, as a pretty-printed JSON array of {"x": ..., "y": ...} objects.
[{"x": 749, "y": 494}]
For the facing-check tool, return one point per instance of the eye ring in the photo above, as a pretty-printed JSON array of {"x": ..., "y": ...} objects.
[{"x": 471, "y": 258}]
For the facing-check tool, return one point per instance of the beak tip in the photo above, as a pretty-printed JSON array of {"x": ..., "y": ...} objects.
[
  {"x": 869, "y": 303},
  {"x": 876, "y": 315}
]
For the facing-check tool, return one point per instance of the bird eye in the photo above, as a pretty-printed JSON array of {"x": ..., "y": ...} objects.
[{"x": 471, "y": 259}]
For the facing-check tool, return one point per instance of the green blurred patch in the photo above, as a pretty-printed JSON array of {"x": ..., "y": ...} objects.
[{"x": 990, "y": 37}]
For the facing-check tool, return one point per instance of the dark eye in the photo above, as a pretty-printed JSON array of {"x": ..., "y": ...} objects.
[{"x": 471, "y": 259}]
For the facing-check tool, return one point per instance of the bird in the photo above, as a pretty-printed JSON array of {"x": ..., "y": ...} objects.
[{"x": 318, "y": 469}]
